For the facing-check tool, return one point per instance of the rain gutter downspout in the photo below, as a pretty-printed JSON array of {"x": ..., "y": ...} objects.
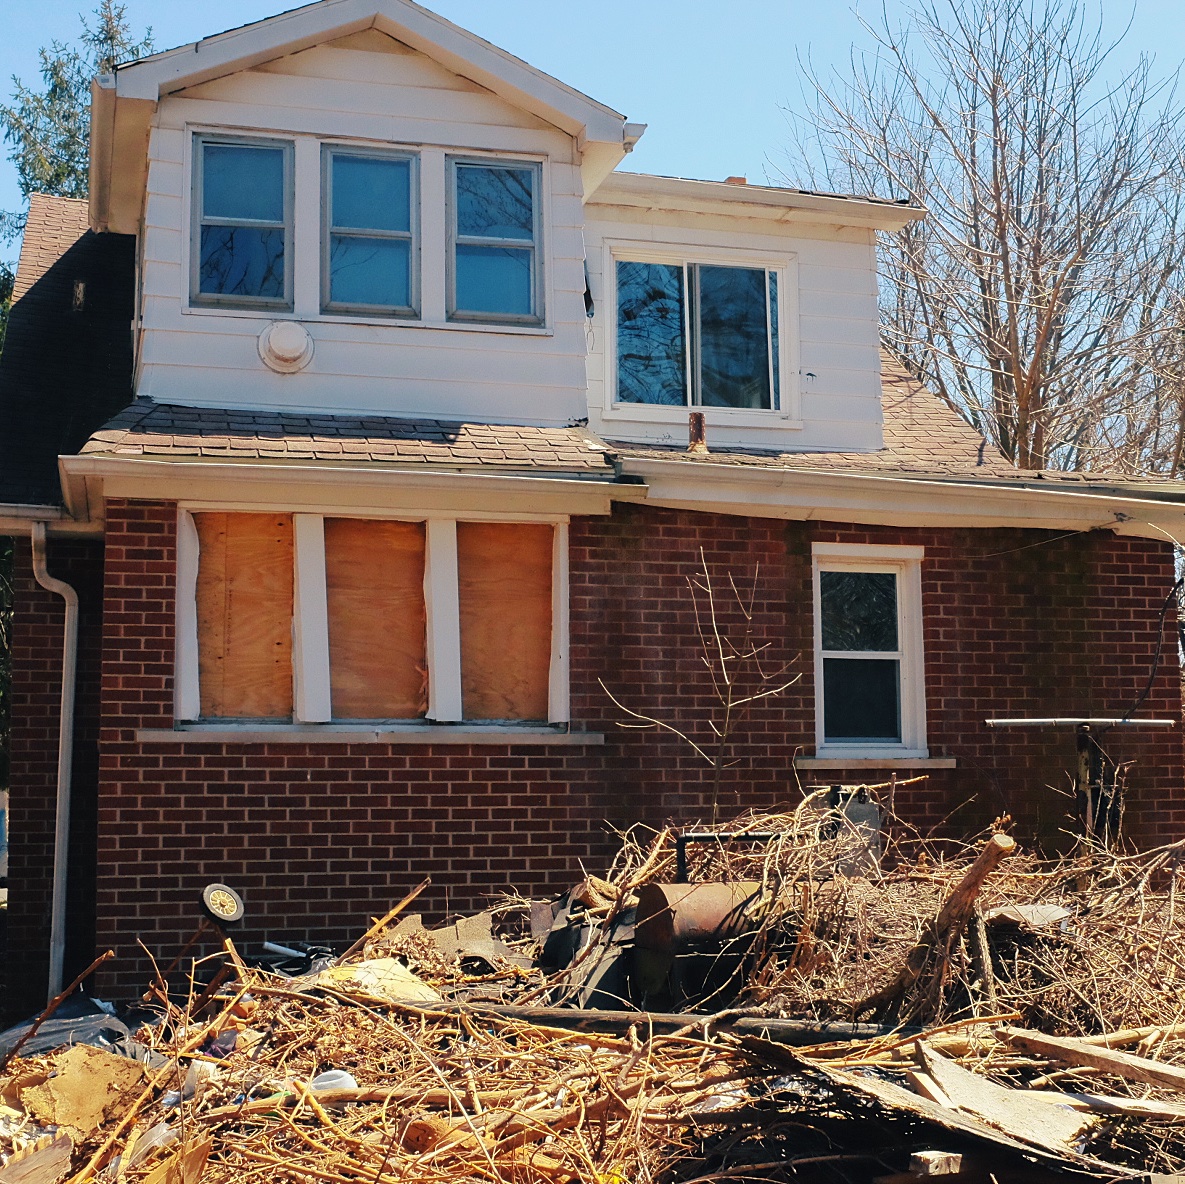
[{"x": 57, "y": 930}]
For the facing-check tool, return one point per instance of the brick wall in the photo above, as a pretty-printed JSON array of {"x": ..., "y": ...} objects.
[
  {"x": 36, "y": 698},
  {"x": 319, "y": 838}
]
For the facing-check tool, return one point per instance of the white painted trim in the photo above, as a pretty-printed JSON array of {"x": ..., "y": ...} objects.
[
  {"x": 310, "y": 622},
  {"x": 558, "y": 699},
  {"x": 187, "y": 692},
  {"x": 906, "y": 564},
  {"x": 443, "y": 604},
  {"x": 886, "y": 763},
  {"x": 397, "y": 733}
]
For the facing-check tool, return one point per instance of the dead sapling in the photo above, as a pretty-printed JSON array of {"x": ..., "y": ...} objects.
[{"x": 740, "y": 667}]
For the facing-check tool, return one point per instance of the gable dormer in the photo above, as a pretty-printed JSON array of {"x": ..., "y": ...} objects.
[{"x": 355, "y": 207}]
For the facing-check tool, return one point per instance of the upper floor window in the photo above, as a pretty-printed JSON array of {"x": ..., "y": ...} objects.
[
  {"x": 494, "y": 247},
  {"x": 242, "y": 245},
  {"x": 698, "y": 334},
  {"x": 370, "y": 252}
]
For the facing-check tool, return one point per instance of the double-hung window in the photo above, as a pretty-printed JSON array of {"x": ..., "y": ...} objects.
[
  {"x": 370, "y": 257},
  {"x": 494, "y": 241},
  {"x": 698, "y": 335},
  {"x": 869, "y": 694},
  {"x": 242, "y": 223}
]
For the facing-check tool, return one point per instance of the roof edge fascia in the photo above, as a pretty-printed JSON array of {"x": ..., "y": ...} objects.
[{"x": 877, "y": 499}]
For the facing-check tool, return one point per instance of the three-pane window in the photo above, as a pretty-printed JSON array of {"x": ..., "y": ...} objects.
[
  {"x": 494, "y": 232},
  {"x": 697, "y": 334},
  {"x": 243, "y": 228},
  {"x": 370, "y": 253}
]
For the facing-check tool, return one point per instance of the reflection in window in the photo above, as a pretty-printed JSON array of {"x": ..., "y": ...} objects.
[
  {"x": 729, "y": 315},
  {"x": 861, "y": 654},
  {"x": 243, "y": 224},
  {"x": 370, "y": 247},
  {"x": 495, "y": 246}
]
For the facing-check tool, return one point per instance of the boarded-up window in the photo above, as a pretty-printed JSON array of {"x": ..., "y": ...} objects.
[
  {"x": 374, "y": 573},
  {"x": 244, "y": 615},
  {"x": 504, "y": 578}
]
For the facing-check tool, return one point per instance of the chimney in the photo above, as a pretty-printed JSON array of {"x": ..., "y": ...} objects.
[
  {"x": 736, "y": 180},
  {"x": 697, "y": 436}
]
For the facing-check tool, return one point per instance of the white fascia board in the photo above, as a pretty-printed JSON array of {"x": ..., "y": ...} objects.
[
  {"x": 876, "y": 500},
  {"x": 87, "y": 480},
  {"x": 453, "y": 47},
  {"x": 643, "y": 191}
]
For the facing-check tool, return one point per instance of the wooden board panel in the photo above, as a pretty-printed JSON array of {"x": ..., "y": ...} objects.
[
  {"x": 504, "y": 580},
  {"x": 244, "y": 607},
  {"x": 374, "y": 574}
]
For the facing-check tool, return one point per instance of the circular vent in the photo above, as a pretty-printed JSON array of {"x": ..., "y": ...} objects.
[{"x": 286, "y": 346}]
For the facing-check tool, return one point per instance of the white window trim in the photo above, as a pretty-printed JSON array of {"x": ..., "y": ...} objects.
[
  {"x": 789, "y": 412},
  {"x": 906, "y": 563},
  {"x": 328, "y": 307},
  {"x": 214, "y": 302},
  {"x": 538, "y": 315},
  {"x": 310, "y": 626}
]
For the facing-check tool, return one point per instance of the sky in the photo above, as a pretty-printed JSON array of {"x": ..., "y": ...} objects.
[{"x": 713, "y": 80}]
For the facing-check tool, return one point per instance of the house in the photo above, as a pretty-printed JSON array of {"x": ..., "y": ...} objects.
[{"x": 345, "y": 438}]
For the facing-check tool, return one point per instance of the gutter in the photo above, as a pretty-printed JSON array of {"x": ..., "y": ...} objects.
[{"x": 57, "y": 931}]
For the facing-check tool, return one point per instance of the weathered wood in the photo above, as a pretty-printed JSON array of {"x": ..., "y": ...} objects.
[
  {"x": 953, "y": 916},
  {"x": 1104, "y": 1104},
  {"x": 1071, "y": 1051},
  {"x": 504, "y": 584}
]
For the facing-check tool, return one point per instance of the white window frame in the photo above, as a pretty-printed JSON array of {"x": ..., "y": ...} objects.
[
  {"x": 538, "y": 314},
  {"x": 329, "y": 307},
  {"x": 219, "y": 301},
  {"x": 310, "y": 627},
  {"x": 789, "y": 410},
  {"x": 906, "y": 563}
]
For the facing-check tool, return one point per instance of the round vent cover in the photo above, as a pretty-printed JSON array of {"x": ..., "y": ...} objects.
[{"x": 286, "y": 346}]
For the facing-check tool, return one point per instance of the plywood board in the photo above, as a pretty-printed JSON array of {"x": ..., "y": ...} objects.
[
  {"x": 244, "y": 607},
  {"x": 374, "y": 575},
  {"x": 504, "y": 580}
]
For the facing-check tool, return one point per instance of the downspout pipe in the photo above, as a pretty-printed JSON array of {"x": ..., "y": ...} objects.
[{"x": 61, "y": 846}]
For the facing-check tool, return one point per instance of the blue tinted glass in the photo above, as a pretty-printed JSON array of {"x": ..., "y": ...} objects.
[
  {"x": 494, "y": 280},
  {"x": 773, "y": 328},
  {"x": 243, "y": 182},
  {"x": 370, "y": 271},
  {"x": 861, "y": 699},
  {"x": 371, "y": 194},
  {"x": 651, "y": 355},
  {"x": 733, "y": 341},
  {"x": 242, "y": 261},
  {"x": 495, "y": 202}
]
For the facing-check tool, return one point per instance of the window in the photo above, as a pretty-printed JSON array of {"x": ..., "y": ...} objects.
[
  {"x": 242, "y": 226},
  {"x": 698, "y": 334},
  {"x": 869, "y": 692},
  {"x": 494, "y": 233},
  {"x": 370, "y": 252},
  {"x": 302, "y": 617}
]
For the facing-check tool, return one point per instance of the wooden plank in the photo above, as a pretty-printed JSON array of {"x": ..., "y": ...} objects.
[
  {"x": 310, "y": 622},
  {"x": 244, "y": 609},
  {"x": 377, "y": 622},
  {"x": 1078, "y": 1052},
  {"x": 1104, "y": 1104},
  {"x": 505, "y": 592}
]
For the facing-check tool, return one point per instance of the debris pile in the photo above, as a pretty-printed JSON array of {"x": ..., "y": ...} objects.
[{"x": 797, "y": 996}]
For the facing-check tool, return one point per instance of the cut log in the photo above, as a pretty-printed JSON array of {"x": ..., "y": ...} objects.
[
  {"x": 951, "y": 919},
  {"x": 1077, "y": 1052}
]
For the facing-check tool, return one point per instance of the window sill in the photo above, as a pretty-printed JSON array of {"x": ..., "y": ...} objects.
[
  {"x": 721, "y": 417},
  {"x": 249, "y": 733},
  {"x": 390, "y": 322},
  {"x": 884, "y": 762}
]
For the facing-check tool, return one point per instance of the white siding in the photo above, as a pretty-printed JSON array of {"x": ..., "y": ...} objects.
[
  {"x": 838, "y": 379},
  {"x": 370, "y": 89}
]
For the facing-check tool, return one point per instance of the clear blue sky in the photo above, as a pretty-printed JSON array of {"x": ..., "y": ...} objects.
[{"x": 710, "y": 78}]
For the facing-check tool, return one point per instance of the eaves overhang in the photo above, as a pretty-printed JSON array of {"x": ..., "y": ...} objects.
[
  {"x": 878, "y": 499},
  {"x": 88, "y": 481},
  {"x": 643, "y": 191},
  {"x": 123, "y": 103}
]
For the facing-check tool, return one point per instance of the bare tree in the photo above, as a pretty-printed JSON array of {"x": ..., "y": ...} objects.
[{"x": 1044, "y": 294}]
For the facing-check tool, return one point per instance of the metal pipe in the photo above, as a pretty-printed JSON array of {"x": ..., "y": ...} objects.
[
  {"x": 61, "y": 846},
  {"x": 1070, "y": 722}
]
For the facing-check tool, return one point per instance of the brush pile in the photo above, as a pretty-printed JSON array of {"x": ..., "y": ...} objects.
[{"x": 870, "y": 1000}]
